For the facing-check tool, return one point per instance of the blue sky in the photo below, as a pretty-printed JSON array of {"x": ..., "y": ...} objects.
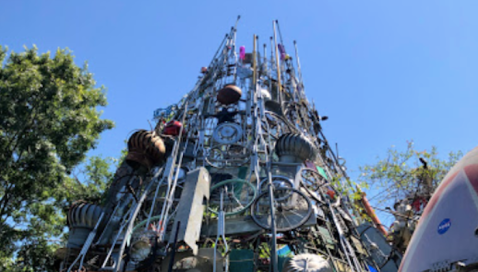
[{"x": 383, "y": 71}]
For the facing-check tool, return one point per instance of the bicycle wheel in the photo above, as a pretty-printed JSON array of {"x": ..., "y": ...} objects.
[
  {"x": 292, "y": 209},
  {"x": 238, "y": 195}
]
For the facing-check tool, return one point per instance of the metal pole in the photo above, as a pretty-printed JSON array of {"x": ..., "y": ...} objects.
[
  {"x": 173, "y": 253},
  {"x": 298, "y": 65},
  {"x": 279, "y": 85},
  {"x": 254, "y": 65},
  {"x": 274, "y": 259}
]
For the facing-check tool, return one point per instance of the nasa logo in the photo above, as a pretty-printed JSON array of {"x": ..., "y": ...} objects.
[{"x": 444, "y": 226}]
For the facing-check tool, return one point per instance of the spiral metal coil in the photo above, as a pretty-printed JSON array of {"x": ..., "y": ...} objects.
[
  {"x": 82, "y": 218},
  {"x": 145, "y": 149},
  {"x": 293, "y": 147}
]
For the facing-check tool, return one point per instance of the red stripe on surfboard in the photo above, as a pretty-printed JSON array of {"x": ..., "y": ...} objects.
[
  {"x": 472, "y": 174},
  {"x": 433, "y": 201},
  {"x": 437, "y": 196}
]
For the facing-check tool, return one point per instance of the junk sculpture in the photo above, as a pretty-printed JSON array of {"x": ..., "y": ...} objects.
[{"x": 238, "y": 176}]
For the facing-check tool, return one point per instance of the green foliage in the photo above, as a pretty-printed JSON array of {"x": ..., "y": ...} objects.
[
  {"x": 49, "y": 120},
  {"x": 353, "y": 190},
  {"x": 350, "y": 188},
  {"x": 402, "y": 175},
  {"x": 92, "y": 179}
]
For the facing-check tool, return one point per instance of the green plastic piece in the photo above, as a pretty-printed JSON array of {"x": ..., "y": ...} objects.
[
  {"x": 322, "y": 172},
  {"x": 241, "y": 260},
  {"x": 242, "y": 172}
]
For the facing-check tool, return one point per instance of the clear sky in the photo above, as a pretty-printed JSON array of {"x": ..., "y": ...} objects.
[{"x": 383, "y": 71}]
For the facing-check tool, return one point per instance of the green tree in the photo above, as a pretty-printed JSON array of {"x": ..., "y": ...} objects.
[
  {"x": 92, "y": 178},
  {"x": 49, "y": 120},
  {"x": 402, "y": 174}
]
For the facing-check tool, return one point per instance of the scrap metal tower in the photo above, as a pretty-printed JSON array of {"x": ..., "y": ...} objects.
[{"x": 237, "y": 176}]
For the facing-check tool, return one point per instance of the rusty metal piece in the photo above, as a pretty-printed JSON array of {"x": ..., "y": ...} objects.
[
  {"x": 145, "y": 149},
  {"x": 229, "y": 94},
  {"x": 371, "y": 213},
  {"x": 248, "y": 58}
]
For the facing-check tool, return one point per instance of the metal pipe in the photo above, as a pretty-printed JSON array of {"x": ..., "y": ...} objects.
[
  {"x": 254, "y": 65},
  {"x": 279, "y": 85},
  {"x": 299, "y": 69},
  {"x": 274, "y": 258},
  {"x": 371, "y": 213},
  {"x": 129, "y": 228},
  {"x": 173, "y": 253}
]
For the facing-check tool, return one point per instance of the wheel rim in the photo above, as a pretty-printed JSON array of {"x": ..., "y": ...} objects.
[
  {"x": 238, "y": 196},
  {"x": 292, "y": 209},
  {"x": 312, "y": 179}
]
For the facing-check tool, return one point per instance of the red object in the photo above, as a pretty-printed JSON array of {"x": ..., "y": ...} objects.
[
  {"x": 173, "y": 128},
  {"x": 419, "y": 204},
  {"x": 203, "y": 70},
  {"x": 331, "y": 194}
]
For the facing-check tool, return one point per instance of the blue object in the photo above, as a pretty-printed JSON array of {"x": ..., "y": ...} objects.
[
  {"x": 444, "y": 226},
  {"x": 371, "y": 269},
  {"x": 284, "y": 251}
]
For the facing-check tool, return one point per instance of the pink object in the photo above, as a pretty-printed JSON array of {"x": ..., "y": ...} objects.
[
  {"x": 242, "y": 52},
  {"x": 281, "y": 51}
]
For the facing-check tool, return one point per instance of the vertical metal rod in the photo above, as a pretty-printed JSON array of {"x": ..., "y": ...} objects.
[
  {"x": 279, "y": 85},
  {"x": 271, "y": 64},
  {"x": 221, "y": 223},
  {"x": 233, "y": 48},
  {"x": 265, "y": 57},
  {"x": 289, "y": 64},
  {"x": 237, "y": 21},
  {"x": 274, "y": 259},
  {"x": 254, "y": 65},
  {"x": 258, "y": 57},
  {"x": 173, "y": 253},
  {"x": 280, "y": 34},
  {"x": 298, "y": 65}
]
